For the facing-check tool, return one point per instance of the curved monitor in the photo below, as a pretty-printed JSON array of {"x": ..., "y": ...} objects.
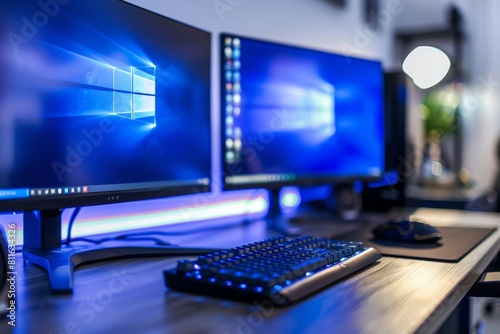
[
  {"x": 100, "y": 102},
  {"x": 298, "y": 116}
]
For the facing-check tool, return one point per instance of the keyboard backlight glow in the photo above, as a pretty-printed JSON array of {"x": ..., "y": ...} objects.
[{"x": 243, "y": 286}]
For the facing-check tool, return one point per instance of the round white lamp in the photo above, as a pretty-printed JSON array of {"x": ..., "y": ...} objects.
[{"x": 427, "y": 66}]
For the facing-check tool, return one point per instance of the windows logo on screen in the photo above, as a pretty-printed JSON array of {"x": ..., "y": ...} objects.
[{"x": 134, "y": 92}]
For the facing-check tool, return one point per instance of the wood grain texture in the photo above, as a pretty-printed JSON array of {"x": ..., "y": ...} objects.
[{"x": 394, "y": 295}]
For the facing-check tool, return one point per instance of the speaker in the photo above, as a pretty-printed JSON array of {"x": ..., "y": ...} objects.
[
  {"x": 4, "y": 284},
  {"x": 348, "y": 201}
]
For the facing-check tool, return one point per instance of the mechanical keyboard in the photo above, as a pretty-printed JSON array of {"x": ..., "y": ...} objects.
[{"x": 282, "y": 270}]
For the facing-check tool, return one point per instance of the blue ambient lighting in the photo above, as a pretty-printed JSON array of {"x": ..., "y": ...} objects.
[{"x": 290, "y": 198}]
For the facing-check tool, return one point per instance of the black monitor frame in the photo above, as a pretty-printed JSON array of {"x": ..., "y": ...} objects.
[
  {"x": 275, "y": 219},
  {"x": 310, "y": 180},
  {"x": 42, "y": 243}
]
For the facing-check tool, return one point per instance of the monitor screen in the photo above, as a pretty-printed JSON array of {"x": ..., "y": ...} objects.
[
  {"x": 293, "y": 115},
  {"x": 100, "y": 102}
]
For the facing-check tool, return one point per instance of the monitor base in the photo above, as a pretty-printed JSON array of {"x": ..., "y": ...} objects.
[
  {"x": 283, "y": 226},
  {"x": 60, "y": 262},
  {"x": 43, "y": 246},
  {"x": 277, "y": 221}
]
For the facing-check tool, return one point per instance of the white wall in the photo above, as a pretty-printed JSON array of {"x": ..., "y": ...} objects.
[
  {"x": 482, "y": 101},
  {"x": 318, "y": 24}
]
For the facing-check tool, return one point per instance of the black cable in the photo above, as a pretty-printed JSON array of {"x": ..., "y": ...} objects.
[
  {"x": 71, "y": 221},
  {"x": 92, "y": 241},
  {"x": 134, "y": 235},
  {"x": 175, "y": 233},
  {"x": 157, "y": 241}
]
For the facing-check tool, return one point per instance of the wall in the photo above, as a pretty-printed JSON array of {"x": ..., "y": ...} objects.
[
  {"x": 482, "y": 102},
  {"x": 318, "y": 24}
]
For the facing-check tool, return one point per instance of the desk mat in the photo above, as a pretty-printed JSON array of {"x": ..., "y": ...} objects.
[{"x": 456, "y": 243}]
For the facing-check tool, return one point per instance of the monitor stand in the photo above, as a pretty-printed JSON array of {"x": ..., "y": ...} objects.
[
  {"x": 277, "y": 221},
  {"x": 43, "y": 247},
  {"x": 348, "y": 201}
]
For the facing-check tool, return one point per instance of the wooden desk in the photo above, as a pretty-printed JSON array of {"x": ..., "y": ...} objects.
[{"x": 394, "y": 295}]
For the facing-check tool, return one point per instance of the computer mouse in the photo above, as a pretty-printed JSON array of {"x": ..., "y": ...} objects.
[{"x": 407, "y": 229}]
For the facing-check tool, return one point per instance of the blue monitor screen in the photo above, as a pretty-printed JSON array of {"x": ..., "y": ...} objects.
[
  {"x": 295, "y": 115},
  {"x": 100, "y": 98}
]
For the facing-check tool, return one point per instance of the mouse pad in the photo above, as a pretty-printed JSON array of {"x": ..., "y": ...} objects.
[{"x": 456, "y": 243}]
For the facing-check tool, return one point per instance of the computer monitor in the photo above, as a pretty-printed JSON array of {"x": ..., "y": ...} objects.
[
  {"x": 100, "y": 102},
  {"x": 297, "y": 116}
]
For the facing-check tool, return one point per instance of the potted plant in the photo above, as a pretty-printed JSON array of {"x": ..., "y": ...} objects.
[{"x": 439, "y": 115}]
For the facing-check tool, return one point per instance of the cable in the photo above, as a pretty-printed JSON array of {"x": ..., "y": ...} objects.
[
  {"x": 71, "y": 221},
  {"x": 157, "y": 241},
  {"x": 176, "y": 233},
  {"x": 133, "y": 235}
]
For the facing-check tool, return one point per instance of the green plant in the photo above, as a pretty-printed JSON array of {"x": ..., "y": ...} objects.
[{"x": 439, "y": 109}]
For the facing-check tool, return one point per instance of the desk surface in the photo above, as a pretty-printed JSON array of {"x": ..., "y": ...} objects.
[{"x": 394, "y": 295}]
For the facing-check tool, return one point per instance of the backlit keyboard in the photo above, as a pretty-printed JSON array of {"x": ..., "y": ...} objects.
[{"x": 280, "y": 269}]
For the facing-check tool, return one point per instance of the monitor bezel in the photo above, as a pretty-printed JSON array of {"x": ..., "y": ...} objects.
[
  {"x": 56, "y": 202},
  {"x": 300, "y": 180},
  {"x": 51, "y": 202}
]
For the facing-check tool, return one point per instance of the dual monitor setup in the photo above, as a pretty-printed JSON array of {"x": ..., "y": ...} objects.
[{"x": 98, "y": 111}]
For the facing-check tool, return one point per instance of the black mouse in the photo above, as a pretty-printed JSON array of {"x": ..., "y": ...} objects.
[{"x": 407, "y": 229}]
